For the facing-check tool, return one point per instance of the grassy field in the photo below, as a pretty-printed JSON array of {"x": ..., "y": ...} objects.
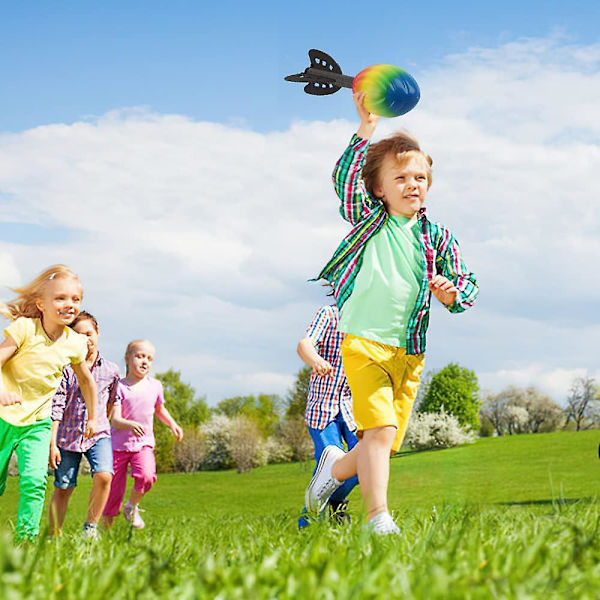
[{"x": 514, "y": 517}]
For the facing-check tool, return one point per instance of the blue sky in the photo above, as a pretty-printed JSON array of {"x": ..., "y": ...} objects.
[
  {"x": 224, "y": 61},
  {"x": 156, "y": 149}
]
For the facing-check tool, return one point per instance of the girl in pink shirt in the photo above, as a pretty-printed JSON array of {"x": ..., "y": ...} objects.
[{"x": 141, "y": 397}]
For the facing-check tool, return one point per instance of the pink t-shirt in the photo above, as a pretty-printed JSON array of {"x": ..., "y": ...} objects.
[{"x": 137, "y": 404}]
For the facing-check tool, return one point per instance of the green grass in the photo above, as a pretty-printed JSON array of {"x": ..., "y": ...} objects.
[{"x": 509, "y": 518}]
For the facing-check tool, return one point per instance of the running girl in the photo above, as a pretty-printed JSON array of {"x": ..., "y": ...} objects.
[
  {"x": 37, "y": 345},
  {"x": 141, "y": 397}
]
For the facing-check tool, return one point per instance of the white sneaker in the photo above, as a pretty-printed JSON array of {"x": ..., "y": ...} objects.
[
  {"x": 383, "y": 524},
  {"x": 89, "y": 532},
  {"x": 323, "y": 484},
  {"x": 131, "y": 512}
]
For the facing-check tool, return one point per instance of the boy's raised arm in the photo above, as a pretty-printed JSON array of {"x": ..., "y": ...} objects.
[{"x": 347, "y": 179}]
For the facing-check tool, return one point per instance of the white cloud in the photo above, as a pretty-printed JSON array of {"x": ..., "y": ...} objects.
[{"x": 201, "y": 236}]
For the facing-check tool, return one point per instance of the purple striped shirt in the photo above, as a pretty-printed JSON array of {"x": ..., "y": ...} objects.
[
  {"x": 330, "y": 395},
  {"x": 68, "y": 406}
]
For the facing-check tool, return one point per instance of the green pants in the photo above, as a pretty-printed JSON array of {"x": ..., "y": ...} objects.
[{"x": 32, "y": 445}]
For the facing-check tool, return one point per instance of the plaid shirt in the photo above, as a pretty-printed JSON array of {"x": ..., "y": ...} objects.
[
  {"x": 439, "y": 249},
  {"x": 330, "y": 395},
  {"x": 68, "y": 406}
]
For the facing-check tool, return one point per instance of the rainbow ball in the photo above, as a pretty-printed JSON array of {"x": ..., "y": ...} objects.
[{"x": 390, "y": 91}]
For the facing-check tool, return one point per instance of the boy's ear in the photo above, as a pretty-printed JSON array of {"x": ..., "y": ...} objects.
[{"x": 378, "y": 191}]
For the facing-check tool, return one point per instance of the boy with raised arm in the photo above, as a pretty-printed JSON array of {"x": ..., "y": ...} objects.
[{"x": 384, "y": 273}]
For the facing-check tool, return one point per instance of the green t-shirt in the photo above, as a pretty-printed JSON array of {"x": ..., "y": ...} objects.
[{"x": 387, "y": 286}]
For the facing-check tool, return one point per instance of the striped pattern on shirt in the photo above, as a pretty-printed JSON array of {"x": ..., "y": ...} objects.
[
  {"x": 330, "y": 395},
  {"x": 439, "y": 249},
  {"x": 68, "y": 406}
]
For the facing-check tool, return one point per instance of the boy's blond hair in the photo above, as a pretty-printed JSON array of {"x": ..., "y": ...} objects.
[
  {"x": 24, "y": 304},
  {"x": 400, "y": 145}
]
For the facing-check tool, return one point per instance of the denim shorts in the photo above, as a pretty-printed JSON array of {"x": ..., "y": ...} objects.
[{"x": 99, "y": 456}]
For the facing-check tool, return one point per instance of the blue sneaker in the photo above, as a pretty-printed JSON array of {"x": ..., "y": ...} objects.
[{"x": 303, "y": 519}]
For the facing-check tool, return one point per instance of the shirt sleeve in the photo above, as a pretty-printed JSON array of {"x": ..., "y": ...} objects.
[
  {"x": 319, "y": 325},
  {"x": 113, "y": 392},
  {"x": 355, "y": 201},
  {"x": 20, "y": 330},
  {"x": 59, "y": 401},
  {"x": 451, "y": 265},
  {"x": 80, "y": 348}
]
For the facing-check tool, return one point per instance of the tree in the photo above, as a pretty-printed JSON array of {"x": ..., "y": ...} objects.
[
  {"x": 455, "y": 389},
  {"x": 262, "y": 409},
  {"x": 296, "y": 398},
  {"x": 518, "y": 410},
  {"x": 181, "y": 400},
  {"x": 493, "y": 410},
  {"x": 543, "y": 413},
  {"x": 582, "y": 403}
]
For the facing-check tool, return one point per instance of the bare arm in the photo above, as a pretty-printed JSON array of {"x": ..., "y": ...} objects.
[
  {"x": 54, "y": 451},
  {"x": 308, "y": 353},
  {"x": 368, "y": 121},
  {"x": 90, "y": 395},
  {"x": 7, "y": 349},
  {"x": 165, "y": 416},
  {"x": 118, "y": 422}
]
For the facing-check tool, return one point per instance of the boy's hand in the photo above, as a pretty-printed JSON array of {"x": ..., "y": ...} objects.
[
  {"x": 321, "y": 367},
  {"x": 10, "y": 398},
  {"x": 54, "y": 456},
  {"x": 137, "y": 428},
  {"x": 368, "y": 121},
  {"x": 443, "y": 289},
  {"x": 177, "y": 432},
  {"x": 91, "y": 428}
]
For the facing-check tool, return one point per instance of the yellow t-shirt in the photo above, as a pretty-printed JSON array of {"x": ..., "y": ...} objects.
[{"x": 35, "y": 370}]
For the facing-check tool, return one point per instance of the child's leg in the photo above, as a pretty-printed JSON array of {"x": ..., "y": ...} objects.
[
  {"x": 143, "y": 471},
  {"x": 100, "y": 457},
  {"x": 8, "y": 442},
  {"x": 117, "y": 487},
  {"x": 348, "y": 436},
  {"x": 369, "y": 378},
  {"x": 65, "y": 481},
  {"x": 32, "y": 455},
  {"x": 377, "y": 388}
]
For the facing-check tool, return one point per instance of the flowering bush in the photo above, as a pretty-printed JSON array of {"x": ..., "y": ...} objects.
[
  {"x": 278, "y": 451},
  {"x": 217, "y": 436},
  {"x": 246, "y": 446},
  {"x": 436, "y": 430},
  {"x": 191, "y": 451}
]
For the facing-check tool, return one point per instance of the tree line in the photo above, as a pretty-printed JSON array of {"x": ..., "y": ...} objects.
[{"x": 243, "y": 432}]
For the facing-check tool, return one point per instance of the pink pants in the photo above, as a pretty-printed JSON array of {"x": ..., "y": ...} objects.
[{"x": 143, "y": 471}]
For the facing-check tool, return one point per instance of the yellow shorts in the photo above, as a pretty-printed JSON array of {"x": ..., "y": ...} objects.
[{"x": 384, "y": 381}]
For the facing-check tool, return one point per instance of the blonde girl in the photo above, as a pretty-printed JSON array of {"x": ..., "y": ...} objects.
[
  {"x": 139, "y": 398},
  {"x": 37, "y": 345}
]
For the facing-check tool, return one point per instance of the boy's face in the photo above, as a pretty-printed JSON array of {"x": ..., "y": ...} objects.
[
  {"x": 403, "y": 184},
  {"x": 86, "y": 327}
]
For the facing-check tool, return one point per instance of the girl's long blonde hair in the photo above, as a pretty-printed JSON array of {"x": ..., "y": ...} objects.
[{"x": 24, "y": 304}]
